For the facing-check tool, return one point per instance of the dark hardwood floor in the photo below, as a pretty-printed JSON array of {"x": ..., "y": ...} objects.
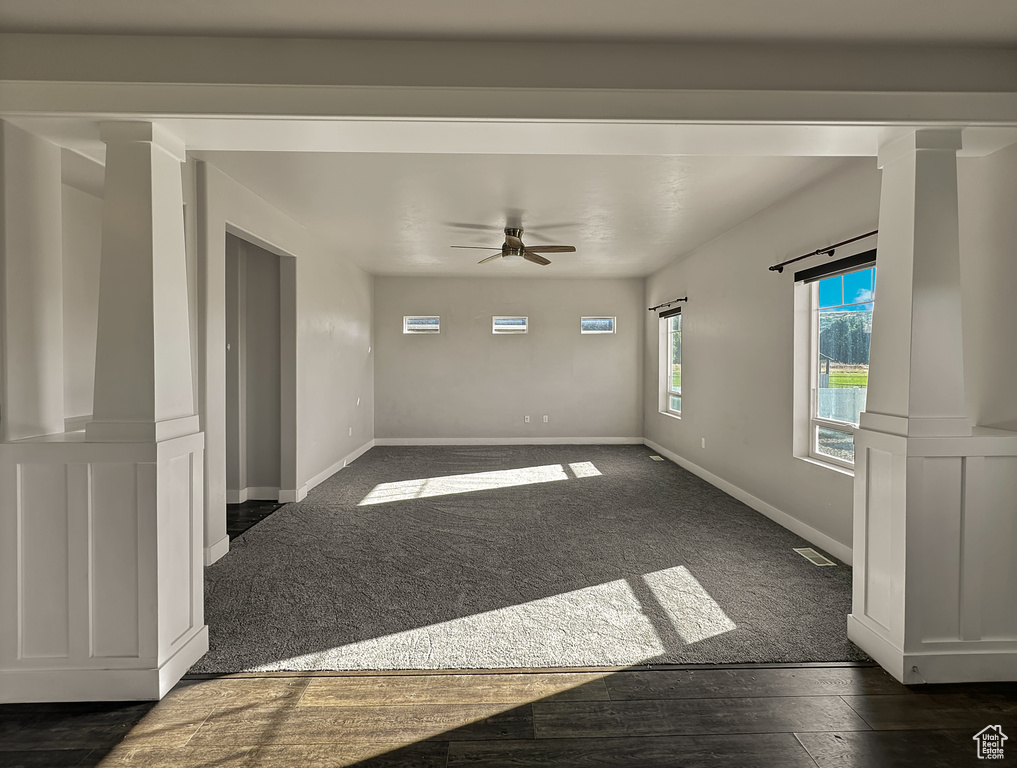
[
  {"x": 794, "y": 716},
  {"x": 240, "y": 517},
  {"x": 809, "y": 716}
]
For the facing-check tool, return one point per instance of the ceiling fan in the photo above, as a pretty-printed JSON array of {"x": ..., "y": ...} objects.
[{"x": 513, "y": 246}]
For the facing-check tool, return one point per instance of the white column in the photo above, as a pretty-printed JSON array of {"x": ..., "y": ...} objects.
[
  {"x": 917, "y": 322},
  {"x": 31, "y": 276},
  {"x": 143, "y": 385},
  {"x": 928, "y": 485},
  {"x": 101, "y": 593}
]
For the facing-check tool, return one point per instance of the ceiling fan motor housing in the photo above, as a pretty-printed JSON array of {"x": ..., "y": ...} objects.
[{"x": 508, "y": 250}]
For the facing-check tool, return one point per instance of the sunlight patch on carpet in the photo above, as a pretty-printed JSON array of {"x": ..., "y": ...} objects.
[
  {"x": 695, "y": 615},
  {"x": 426, "y": 487},
  {"x": 584, "y": 469},
  {"x": 606, "y": 624}
]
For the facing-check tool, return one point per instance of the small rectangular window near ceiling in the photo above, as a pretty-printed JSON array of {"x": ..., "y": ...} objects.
[
  {"x": 425, "y": 324},
  {"x": 509, "y": 324},
  {"x": 597, "y": 325}
]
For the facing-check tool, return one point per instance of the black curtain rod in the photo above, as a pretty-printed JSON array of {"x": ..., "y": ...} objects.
[
  {"x": 778, "y": 268},
  {"x": 667, "y": 303}
]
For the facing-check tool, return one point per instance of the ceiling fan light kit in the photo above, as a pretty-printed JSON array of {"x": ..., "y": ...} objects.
[{"x": 513, "y": 246}]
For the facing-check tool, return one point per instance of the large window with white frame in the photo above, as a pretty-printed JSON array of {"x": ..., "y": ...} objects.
[
  {"x": 671, "y": 362},
  {"x": 840, "y": 304}
]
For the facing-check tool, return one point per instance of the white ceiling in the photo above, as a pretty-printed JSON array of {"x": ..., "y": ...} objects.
[
  {"x": 398, "y": 214},
  {"x": 394, "y": 195},
  {"x": 974, "y": 22}
]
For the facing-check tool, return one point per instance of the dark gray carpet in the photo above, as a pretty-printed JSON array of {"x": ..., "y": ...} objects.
[{"x": 455, "y": 564}]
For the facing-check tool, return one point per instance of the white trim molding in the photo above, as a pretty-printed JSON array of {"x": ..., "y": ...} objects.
[
  {"x": 508, "y": 441},
  {"x": 253, "y": 492},
  {"x": 290, "y": 495},
  {"x": 76, "y": 423},
  {"x": 324, "y": 475},
  {"x": 126, "y": 684},
  {"x": 215, "y": 551}
]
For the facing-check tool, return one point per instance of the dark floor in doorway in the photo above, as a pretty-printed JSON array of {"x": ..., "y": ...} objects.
[{"x": 240, "y": 517}]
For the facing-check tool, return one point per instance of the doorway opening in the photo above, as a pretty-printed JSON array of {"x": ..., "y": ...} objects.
[{"x": 260, "y": 288}]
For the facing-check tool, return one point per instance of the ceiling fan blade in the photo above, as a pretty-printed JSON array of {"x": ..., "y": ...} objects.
[
  {"x": 531, "y": 256},
  {"x": 554, "y": 225},
  {"x": 464, "y": 225},
  {"x": 490, "y": 258},
  {"x": 478, "y": 247},
  {"x": 551, "y": 249}
]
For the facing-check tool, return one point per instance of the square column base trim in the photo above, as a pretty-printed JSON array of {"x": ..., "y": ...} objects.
[
  {"x": 958, "y": 666},
  {"x": 140, "y": 431},
  {"x": 147, "y": 684}
]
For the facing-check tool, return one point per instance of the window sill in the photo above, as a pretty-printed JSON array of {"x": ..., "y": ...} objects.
[
  {"x": 825, "y": 465},
  {"x": 670, "y": 415}
]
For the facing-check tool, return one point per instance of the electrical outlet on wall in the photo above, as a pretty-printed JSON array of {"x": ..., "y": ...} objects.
[
  {"x": 526, "y": 419},
  {"x": 545, "y": 418}
]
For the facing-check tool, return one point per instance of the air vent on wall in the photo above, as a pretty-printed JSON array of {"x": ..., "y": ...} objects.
[{"x": 813, "y": 556}]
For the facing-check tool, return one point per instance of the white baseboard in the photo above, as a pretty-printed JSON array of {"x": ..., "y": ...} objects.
[
  {"x": 508, "y": 441},
  {"x": 324, "y": 475},
  {"x": 263, "y": 493},
  {"x": 878, "y": 647},
  {"x": 968, "y": 664},
  {"x": 289, "y": 495},
  {"x": 253, "y": 493},
  {"x": 841, "y": 551},
  {"x": 217, "y": 550},
  {"x": 26, "y": 686}
]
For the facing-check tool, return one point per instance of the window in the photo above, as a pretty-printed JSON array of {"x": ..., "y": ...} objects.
[
  {"x": 596, "y": 325},
  {"x": 671, "y": 362},
  {"x": 509, "y": 324},
  {"x": 840, "y": 327},
  {"x": 425, "y": 324}
]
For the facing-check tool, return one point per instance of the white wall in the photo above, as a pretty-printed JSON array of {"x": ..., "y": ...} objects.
[
  {"x": 467, "y": 384},
  {"x": 329, "y": 362},
  {"x": 988, "y": 250},
  {"x": 737, "y": 350},
  {"x": 82, "y": 246},
  {"x": 31, "y": 286}
]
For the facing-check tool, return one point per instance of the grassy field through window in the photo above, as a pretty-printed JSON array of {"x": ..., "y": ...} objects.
[{"x": 844, "y": 376}]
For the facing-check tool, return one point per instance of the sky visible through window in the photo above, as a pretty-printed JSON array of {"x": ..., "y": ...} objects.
[{"x": 845, "y": 328}]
